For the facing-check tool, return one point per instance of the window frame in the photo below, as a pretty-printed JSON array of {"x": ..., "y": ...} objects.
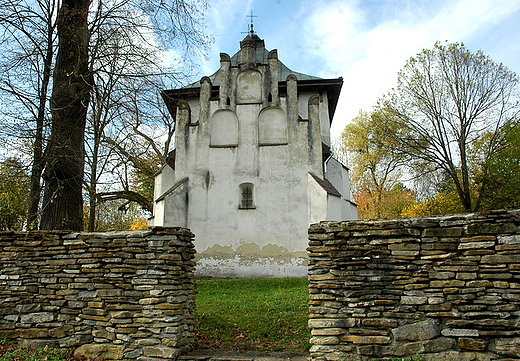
[{"x": 246, "y": 199}]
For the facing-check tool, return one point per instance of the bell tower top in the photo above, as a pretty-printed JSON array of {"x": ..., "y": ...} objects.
[{"x": 249, "y": 46}]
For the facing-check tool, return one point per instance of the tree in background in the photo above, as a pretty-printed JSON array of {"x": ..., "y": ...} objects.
[
  {"x": 441, "y": 203},
  {"x": 118, "y": 215},
  {"x": 28, "y": 38},
  {"x": 447, "y": 100},
  {"x": 140, "y": 141},
  {"x": 127, "y": 45},
  {"x": 376, "y": 167},
  {"x": 14, "y": 185},
  {"x": 497, "y": 175}
]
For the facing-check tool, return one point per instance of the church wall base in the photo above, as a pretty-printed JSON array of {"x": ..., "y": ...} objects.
[{"x": 237, "y": 267}]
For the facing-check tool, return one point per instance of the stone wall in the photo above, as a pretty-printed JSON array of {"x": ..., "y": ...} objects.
[
  {"x": 114, "y": 295},
  {"x": 445, "y": 287}
]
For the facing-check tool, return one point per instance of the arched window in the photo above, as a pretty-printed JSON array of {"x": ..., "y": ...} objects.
[{"x": 246, "y": 196}]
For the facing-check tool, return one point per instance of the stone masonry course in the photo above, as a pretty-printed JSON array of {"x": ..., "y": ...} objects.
[
  {"x": 112, "y": 295},
  {"x": 445, "y": 287}
]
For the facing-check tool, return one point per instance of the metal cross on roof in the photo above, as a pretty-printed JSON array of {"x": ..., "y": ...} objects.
[{"x": 251, "y": 16}]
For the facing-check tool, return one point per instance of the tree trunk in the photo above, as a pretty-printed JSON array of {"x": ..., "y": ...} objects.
[
  {"x": 38, "y": 156},
  {"x": 65, "y": 160},
  {"x": 92, "y": 188}
]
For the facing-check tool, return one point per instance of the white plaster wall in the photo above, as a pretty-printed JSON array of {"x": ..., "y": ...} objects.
[
  {"x": 164, "y": 179},
  {"x": 303, "y": 105},
  {"x": 324, "y": 119},
  {"x": 317, "y": 200},
  {"x": 334, "y": 208},
  {"x": 158, "y": 215},
  {"x": 333, "y": 169},
  {"x": 337, "y": 174},
  {"x": 177, "y": 206},
  {"x": 266, "y": 241},
  {"x": 270, "y": 240},
  {"x": 349, "y": 211}
]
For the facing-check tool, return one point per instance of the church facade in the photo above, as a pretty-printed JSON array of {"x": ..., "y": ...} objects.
[{"x": 252, "y": 165}]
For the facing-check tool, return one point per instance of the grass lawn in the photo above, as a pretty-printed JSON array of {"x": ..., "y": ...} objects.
[
  {"x": 252, "y": 314},
  {"x": 10, "y": 352}
]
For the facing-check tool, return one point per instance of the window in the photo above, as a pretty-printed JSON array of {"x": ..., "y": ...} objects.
[{"x": 246, "y": 196}]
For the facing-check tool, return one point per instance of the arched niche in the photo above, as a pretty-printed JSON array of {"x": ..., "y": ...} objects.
[
  {"x": 249, "y": 87},
  {"x": 314, "y": 100},
  {"x": 272, "y": 126},
  {"x": 224, "y": 129}
]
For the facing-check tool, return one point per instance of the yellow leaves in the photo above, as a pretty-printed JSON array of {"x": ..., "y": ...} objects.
[
  {"x": 385, "y": 203},
  {"x": 138, "y": 223},
  {"x": 443, "y": 203}
]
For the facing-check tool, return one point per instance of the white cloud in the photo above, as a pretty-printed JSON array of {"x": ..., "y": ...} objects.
[
  {"x": 222, "y": 18},
  {"x": 171, "y": 58},
  {"x": 368, "y": 53}
]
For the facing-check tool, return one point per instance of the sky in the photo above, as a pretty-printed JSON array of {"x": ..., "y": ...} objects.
[{"x": 364, "y": 41}]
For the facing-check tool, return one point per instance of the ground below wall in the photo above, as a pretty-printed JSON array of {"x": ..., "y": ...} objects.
[
  {"x": 115, "y": 295},
  {"x": 447, "y": 288}
]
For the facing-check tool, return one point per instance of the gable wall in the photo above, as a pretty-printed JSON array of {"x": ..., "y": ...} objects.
[{"x": 248, "y": 134}]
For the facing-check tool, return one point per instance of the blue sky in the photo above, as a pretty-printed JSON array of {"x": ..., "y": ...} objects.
[{"x": 364, "y": 41}]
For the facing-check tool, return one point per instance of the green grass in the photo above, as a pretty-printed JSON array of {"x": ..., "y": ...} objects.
[
  {"x": 10, "y": 352},
  {"x": 414, "y": 358},
  {"x": 252, "y": 314}
]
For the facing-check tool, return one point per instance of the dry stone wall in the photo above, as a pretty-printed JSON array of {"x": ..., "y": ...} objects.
[
  {"x": 447, "y": 288},
  {"x": 114, "y": 295}
]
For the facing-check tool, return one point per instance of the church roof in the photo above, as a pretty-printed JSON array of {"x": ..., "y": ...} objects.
[
  {"x": 305, "y": 82},
  {"x": 261, "y": 58},
  {"x": 326, "y": 185}
]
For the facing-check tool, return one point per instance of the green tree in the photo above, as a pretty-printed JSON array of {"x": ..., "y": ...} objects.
[
  {"x": 497, "y": 175},
  {"x": 376, "y": 167},
  {"x": 441, "y": 203},
  {"x": 14, "y": 191},
  {"x": 446, "y": 99}
]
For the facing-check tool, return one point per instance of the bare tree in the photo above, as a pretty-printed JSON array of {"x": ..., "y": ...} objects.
[
  {"x": 129, "y": 72},
  {"x": 29, "y": 42},
  {"x": 446, "y": 99},
  {"x": 133, "y": 35},
  {"x": 72, "y": 85}
]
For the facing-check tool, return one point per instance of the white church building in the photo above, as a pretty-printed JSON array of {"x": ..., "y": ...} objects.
[{"x": 252, "y": 165}]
